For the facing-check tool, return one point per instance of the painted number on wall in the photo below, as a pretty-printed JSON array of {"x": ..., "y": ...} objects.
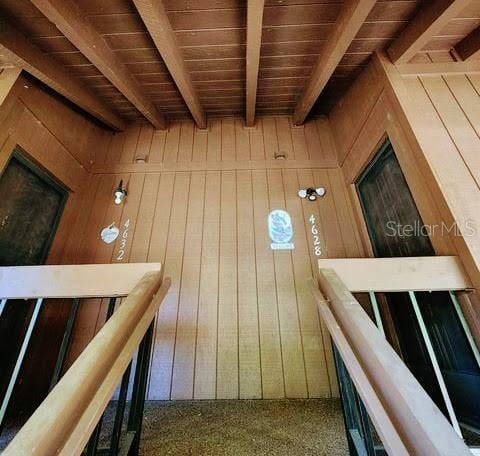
[
  {"x": 123, "y": 241},
  {"x": 316, "y": 238}
]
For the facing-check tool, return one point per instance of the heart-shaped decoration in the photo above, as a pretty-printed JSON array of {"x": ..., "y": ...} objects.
[{"x": 109, "y": 234}]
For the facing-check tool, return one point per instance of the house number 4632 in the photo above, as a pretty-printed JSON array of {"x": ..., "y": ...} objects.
[{"x": 316, "y": 238}]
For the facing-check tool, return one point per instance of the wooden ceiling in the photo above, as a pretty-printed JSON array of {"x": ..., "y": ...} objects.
[{"x": 211, "y": 39}]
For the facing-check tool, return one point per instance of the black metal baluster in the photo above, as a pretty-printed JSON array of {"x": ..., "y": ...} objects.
[
  {"x": 137, "y": 405},
  {"x": 111, "y": 308},
  {"x": 119, "y": 412},
  {"x": 64, "y": 347},
  {"x": 94, "y": 438},
  {"x": 93, "y": 442}
]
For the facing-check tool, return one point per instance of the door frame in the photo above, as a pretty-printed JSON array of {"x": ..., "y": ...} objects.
[{"x": 360, "y": 214}]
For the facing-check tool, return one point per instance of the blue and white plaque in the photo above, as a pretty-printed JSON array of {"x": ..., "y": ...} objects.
[{"x": 280, "y": 230}]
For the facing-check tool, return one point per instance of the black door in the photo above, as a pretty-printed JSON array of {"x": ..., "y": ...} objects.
[
  {"x": 31, "y": 204},
  {"x": 388, "y": 208}
]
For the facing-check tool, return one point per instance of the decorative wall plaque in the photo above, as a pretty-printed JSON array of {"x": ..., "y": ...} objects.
[{"x": 280, "y": 230}]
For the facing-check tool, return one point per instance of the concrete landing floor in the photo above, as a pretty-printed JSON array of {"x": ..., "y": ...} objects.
[
  {"x": 244, "y": 427},
  {"x": 235, "y": 427}
]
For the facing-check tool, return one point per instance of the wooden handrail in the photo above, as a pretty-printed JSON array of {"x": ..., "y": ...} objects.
[
  {"x": 64, "y": 421},
  {"x": 435, "y": 273},
  {"x": 68, "y": 281},
  {"x": 415, "y": 425}
]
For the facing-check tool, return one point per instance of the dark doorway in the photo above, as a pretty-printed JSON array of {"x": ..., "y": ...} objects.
[
  {"x": 388, "y": 207},
  {"x": 31, "y": 205}
]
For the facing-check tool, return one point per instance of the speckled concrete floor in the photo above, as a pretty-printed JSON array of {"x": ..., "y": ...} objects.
[
  {"x": 262, "y": 427},
  {"x": 283, "y": 427}
]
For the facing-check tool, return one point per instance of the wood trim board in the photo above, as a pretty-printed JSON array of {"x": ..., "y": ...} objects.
[
  {"x": 436, "y": 273},
  {"x": 211, "y": 166},
  {"x": 66, "y": 281}
]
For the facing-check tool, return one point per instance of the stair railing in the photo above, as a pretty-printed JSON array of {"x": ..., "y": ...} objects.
[
  {"x": 69, "y": 419},
  {"x": 405, "y": 418}
]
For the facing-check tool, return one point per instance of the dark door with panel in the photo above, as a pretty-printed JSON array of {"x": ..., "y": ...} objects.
[
  {"x": 389, "y": 210},
  {"x": 31, "y": 204}
]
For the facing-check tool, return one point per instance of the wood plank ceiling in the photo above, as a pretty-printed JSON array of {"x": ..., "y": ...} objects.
[{"x": 211, "y": 35}]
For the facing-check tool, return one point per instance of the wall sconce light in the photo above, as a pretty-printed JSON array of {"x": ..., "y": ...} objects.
[
  {"x": 120, "y": 193},
  {"x": 311, "y": 193},
  {"x": 280, "y": 155}
]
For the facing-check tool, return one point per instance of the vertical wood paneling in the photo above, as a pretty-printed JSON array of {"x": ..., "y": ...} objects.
[
  {"x": 273, "y": 383},
  {"x": 307, "y": 179},
  {"x": 206, "y": 348},
  {"x": 227, "y": 347},
  {"x": 144, "y": 143},
  {"x": 214, "y": 151},
  {"x": 130, "y": 145},
  {"x": 158, "y": 146},
  {"x": 113, "y": 214},
  {"x": 242, "y": 141},
  {"x": 129, "y": 218},
  {"x": 184, "y": 361},
  {"x": 185, "y": 148},
  {"x": 299, "y": 143},
  {"x": 158, "y": 248},
  {"x": 327, "y": 143},
  {"x": 291, "y": 338},
  {"x": 312, "y": 139},
  {"x": 284, "y": 135},
  {"x": 97, "y": 216},
  {"x": 72, "y": 251},
  {"x": 87, "y": 317},
  {"x": 144, "y": 224},
  {"x": 200, "y": 144},
  {"x": 257, "y": 149},
  {"x": 228, "y": 139},
  {"x": 250, "y": 384},
  {"x": 467, "y": 97},
  {"x": 270, "y": 139},
  {"x": 161, "y": 375},
  {"x": 316, "y": 374},
  {"x": 239, "y": 321},
  {"x": 115, "y": 148},
  {"x": 345, "y": 222},
  {"x": 334, "y": 248},
  {"x": 104, "y": 252},
  {"x": 455, "y": 121},
  {"x": 172, "y": 142}
]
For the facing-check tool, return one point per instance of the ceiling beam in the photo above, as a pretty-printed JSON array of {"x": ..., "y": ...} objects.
[
  {"x": 155, "y": 18},
  {"x": 254, "y": 41},
  {"x": 19, "y": 51},
  {"x": 68, "y": 18},
  {"x": 428, "y": 22},
  {"x": 469, "y": 47},
  {"x": 351, "y": 18}
]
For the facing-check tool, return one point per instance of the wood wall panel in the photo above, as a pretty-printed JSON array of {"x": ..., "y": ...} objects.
[
  {"x": 432, "y": 122},
  {"x": 239, "y": 321},
  {"x": 225, "y": 140},
  {"x": 63, "y": 142}
]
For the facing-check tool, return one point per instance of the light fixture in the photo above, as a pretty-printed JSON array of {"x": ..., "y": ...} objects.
[
  {"x": 280, "y": 155},
  {"x": 120, "y": 193},
  {"x": 311, "y": 193}
]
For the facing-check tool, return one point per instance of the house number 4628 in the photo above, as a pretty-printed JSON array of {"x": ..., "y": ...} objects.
[{"x": 316, "y": 238}]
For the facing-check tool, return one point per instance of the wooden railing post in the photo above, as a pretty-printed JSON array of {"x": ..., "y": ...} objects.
[
  {"x": 424, "y": 429},
  {"x": 65, "y": 420}
]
